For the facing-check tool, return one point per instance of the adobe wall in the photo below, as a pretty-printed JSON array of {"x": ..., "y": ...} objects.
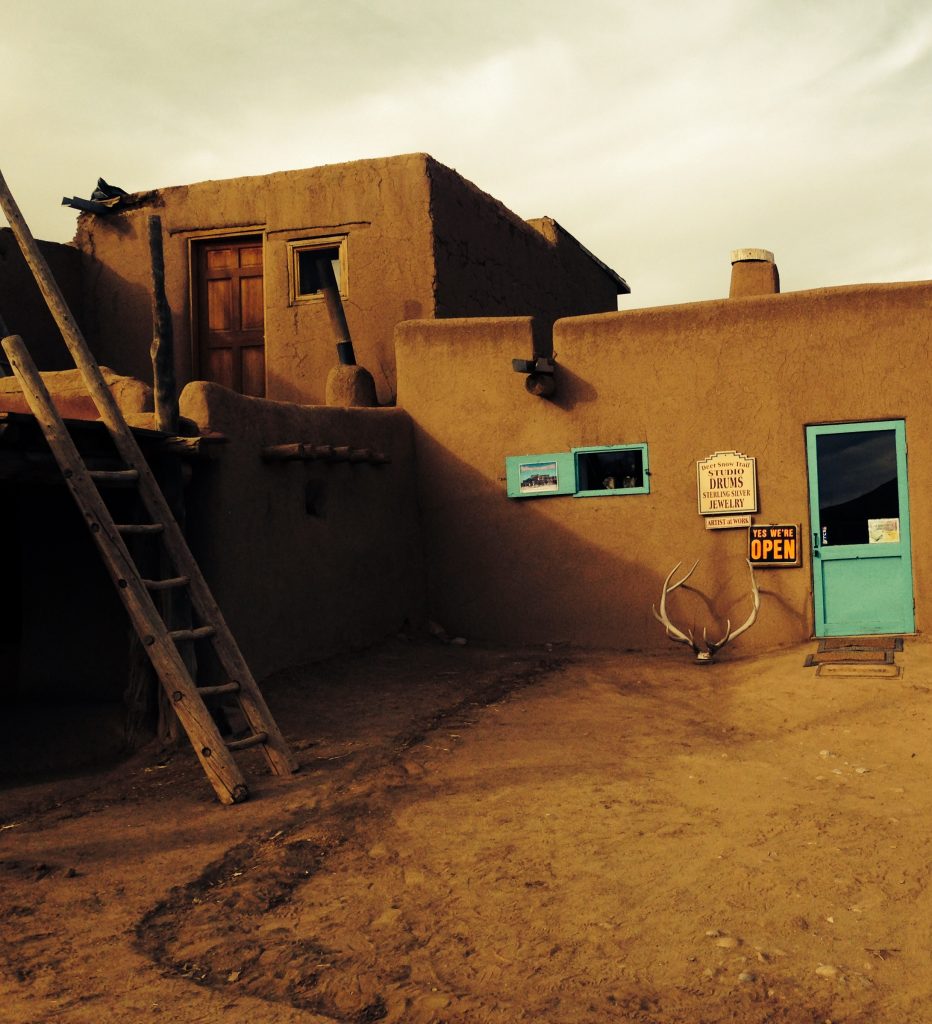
[
  {"x": 489, "y": 262},
  {"x": 306, "y": 558},
  {"x": 381, "y": 205},
  {"x": 73, "y": 401},
  {"x": 737, "y": 374},
  {"x": 22, "y": 306}
]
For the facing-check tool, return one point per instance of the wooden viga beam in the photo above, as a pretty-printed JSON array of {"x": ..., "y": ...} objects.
[{"x": 304, "y": 452}]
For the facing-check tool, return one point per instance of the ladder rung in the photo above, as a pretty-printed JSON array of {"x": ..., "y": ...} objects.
[
  {"x": 114, "y": 476},
  {"x": 248, "y": 741},
  {"x": 200, "y": 633},
  {"x": 168, "y": 584},
  {"x": 220, "y": 688},
  {"x": 139, "y": 527}
]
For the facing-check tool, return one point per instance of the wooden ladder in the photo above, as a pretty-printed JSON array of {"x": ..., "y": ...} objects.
[{"x": 160, "y": 642}]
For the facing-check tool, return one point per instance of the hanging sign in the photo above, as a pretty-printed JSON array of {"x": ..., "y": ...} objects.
[
  {"x": 727, "y": 483},
  {"x": 774, "y": 546}
]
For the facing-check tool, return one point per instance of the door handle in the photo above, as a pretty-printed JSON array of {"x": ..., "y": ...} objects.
[{"x": 815, "y": 545}]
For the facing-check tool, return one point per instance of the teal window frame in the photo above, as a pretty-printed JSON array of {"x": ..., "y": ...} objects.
[{"x": 616, "y": 492}]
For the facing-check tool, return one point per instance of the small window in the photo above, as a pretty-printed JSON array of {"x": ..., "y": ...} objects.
[
  {"x": 303, "y": 275},
  {"x": 583, "y": 472},
  {"x": 616, "y": 470}
]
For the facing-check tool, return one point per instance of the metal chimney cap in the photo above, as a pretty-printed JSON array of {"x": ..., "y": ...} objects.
[{"x": 745, "y": 255}]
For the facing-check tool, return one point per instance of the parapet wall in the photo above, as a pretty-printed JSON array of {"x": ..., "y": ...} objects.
[
  {"x": 739, "y": 374},
  {"x": 489, "y": 262},
  {"x": 21, "y": 304},
  {"x": 306, "y": 558}
]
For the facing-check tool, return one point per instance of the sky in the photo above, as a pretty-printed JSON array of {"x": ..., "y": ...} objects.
[{"x": 661, "y": 134}]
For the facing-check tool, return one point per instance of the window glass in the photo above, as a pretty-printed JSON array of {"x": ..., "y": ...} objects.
[
  {"x": 610, "y": 470},
  {"x": 308, "y": 280},
  {"x": 857, "y": 483}
]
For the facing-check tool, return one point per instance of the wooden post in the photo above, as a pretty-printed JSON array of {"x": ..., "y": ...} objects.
[
  {"x": 327, "y": 452},
  {"x": 176, "y": 606},
  {"x": 162, "y": 350}
]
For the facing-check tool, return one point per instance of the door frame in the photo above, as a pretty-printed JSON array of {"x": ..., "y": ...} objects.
[{"x": 821, "y": 623}]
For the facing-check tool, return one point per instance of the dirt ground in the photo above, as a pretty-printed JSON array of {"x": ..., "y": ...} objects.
[{"x": 497, "y": 836}]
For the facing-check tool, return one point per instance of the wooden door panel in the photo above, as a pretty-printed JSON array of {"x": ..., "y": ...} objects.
[
  {"x": 220, "y": 257},
  {"x": 253, "y": 363},
  {"x": 219, "y": 305},
  {"x": 220, "y": 366},
  {"x": 230, "y": 314},
  {"x": 251, "y": 256},
  {"x": 250, "y": 303}
]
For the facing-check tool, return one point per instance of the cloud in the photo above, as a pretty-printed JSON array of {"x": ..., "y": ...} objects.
[{"x": 662, "y": 135}]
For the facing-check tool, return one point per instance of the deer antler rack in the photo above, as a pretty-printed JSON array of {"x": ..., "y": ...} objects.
[{"x": 712, "y": 646}]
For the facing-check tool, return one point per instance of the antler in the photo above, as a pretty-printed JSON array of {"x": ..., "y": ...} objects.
[
  {"x": 672, "y": 632},
  {"x": 714, "y": 646}
]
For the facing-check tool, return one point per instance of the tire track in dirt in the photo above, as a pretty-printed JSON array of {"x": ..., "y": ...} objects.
[{"x": 215, "y": 930}]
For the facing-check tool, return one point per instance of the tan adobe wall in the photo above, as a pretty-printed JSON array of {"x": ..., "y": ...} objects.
[
  {"x": 294, "y": 584},
  {"x": 743, "y": 374},
  {"x": 491, "y": 263},
  {"x": 380, "y": 205},
  {"x": 22, "y": 306},
  {"x": 73, "y": 400}
]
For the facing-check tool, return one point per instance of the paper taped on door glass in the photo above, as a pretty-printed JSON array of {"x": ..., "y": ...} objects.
[{"x": 883, "y": 531}]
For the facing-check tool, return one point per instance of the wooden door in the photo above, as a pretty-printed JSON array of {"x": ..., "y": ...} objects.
[
  {"x": 230, "y": 314},
  {"x": 859, "y": 504}
]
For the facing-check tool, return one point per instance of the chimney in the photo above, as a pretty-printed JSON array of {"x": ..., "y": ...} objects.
[{"x": 753, "y": 272}]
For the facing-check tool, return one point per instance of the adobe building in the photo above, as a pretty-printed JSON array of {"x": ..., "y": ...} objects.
[
  {"x": 674, "y": 434},
  {"x": 764, "y": 424},
  {"x": 408, "y": 239},
  {"x": 307, "y": 556}
]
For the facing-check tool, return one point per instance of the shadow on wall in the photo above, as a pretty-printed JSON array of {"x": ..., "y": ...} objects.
[
  {"x": 21, "y": 304},
  {"x": 572, "y": 390},
  {"x": 126, "y": 352},
  {"x": 549, "y": 583},
  {"x": 306, "y": 558}
]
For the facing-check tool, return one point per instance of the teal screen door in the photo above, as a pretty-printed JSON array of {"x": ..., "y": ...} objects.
[{"x": 859, "y": 510}]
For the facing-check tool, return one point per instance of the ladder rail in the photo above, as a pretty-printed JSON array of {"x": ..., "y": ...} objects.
[
  {"x": 71, "y": 333},
  {"x": 210, "y": 748},
  {"x": 253, "y": 705},
  {"x": 257, "y": 714},
  {"x": 208, "y": 611}
]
